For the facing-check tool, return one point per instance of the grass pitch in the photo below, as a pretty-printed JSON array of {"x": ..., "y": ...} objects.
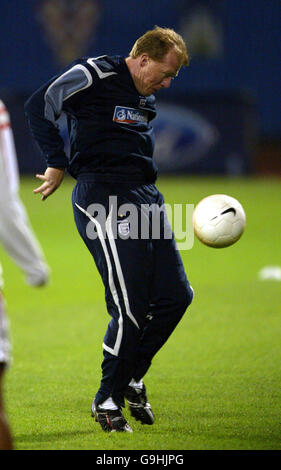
[{"x": 215, "y": 385}]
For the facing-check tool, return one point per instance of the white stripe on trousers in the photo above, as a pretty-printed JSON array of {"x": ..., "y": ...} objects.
[{"x": 108, "y": 226}]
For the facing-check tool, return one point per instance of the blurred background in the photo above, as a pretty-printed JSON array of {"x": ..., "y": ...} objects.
[{"x": 220, "y": 116}]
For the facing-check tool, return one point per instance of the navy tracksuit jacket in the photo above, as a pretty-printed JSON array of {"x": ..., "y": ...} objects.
[{"x": 112, "y": 143}]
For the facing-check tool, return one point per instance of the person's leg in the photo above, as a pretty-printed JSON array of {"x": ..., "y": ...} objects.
[
  {"x": 6, "y": 442},
  {"x": 128, "y": 319},
  {"x": 16, "y": 232},
  {"x": 124, "y": 267},
  {"x": 170, "y": 296}
]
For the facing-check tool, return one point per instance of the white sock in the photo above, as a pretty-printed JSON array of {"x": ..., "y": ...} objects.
[
  {"x": 135, "y": 384},
  {"x": 108, "y": 404}
]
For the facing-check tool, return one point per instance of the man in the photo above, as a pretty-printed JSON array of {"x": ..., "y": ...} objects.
[
  {"x": 20, "y": 243},
  {"x": 109, "y": 104}
]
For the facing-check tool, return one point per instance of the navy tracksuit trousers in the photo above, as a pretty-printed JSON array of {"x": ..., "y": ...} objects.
[{"x": 146, "y": 289}]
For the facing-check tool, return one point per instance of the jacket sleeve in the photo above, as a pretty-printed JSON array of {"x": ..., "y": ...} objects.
[{"x": 45, "y": 106}]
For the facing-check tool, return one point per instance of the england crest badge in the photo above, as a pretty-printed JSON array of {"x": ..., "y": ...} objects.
[{"x": 123, "y": 228}]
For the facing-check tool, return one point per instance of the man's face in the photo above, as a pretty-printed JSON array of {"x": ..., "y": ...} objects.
[{"x": 156, "y": 75}]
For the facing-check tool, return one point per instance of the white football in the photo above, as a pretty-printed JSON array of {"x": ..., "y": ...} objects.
[{"x": 219, "y": 220}]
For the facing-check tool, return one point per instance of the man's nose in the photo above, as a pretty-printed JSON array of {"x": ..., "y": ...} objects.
[{"x": 166, "y": 82}]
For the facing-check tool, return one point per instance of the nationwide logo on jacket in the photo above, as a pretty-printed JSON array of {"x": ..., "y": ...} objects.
[{"x": 125, "y": 115}]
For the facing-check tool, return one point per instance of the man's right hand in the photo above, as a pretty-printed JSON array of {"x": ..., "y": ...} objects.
[{"x": 52, "y": 179}]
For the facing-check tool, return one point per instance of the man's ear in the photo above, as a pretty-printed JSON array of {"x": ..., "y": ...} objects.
[{"x": 144, "y": 59}]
